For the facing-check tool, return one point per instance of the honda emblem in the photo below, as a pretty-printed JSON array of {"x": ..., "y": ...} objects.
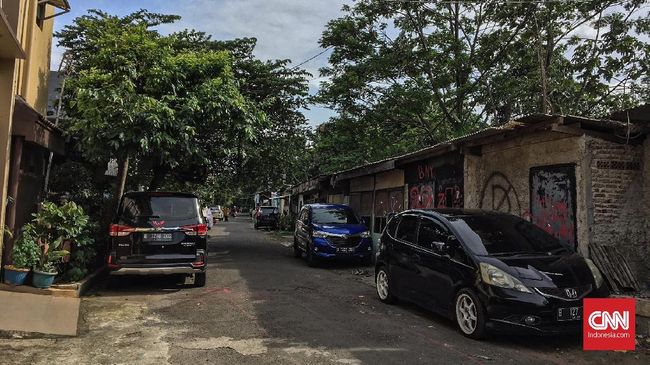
[{"x": 571, "y": 293}]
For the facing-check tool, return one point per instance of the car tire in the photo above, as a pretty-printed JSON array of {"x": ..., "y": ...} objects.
[
  {"x": 312, "y": 260},
  {"x": 297, "y": 252},
  {"x": 199, "y": 280},
  {"x": 470, "y": 314},
  {"x": 384, "y": 291}
]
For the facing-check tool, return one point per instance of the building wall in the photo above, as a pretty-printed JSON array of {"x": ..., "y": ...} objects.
[
  {"x": 502, "y": 176},
  {"x": 33, "y": 72},
  {"x": 27, "y": 78},
  {"x": 620, "y": 205}
]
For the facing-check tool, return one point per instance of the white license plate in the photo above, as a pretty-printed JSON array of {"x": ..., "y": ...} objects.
[
  {"x": 157, "y": 237},
  {"x": 345, "y": 249}
]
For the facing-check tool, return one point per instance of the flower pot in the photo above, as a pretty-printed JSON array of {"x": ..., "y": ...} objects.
[
  {"x": 14, "y": 275},
  {"x": 42, "y": 279}
]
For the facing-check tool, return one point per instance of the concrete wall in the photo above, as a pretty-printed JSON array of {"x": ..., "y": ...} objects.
[
  {"x": 620, "y": 177},
  {"x": 499, "y": 179}
]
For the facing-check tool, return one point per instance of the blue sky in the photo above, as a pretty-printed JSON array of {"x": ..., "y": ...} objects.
[{"x": 284, "y": 28}]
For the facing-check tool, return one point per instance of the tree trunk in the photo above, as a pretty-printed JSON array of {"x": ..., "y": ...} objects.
[{"x": 122, "y": 173}]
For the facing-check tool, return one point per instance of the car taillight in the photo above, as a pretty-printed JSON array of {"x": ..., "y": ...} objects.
[
  {"x": 120, "y": 230},
  {"x": 196, "y": 230}
]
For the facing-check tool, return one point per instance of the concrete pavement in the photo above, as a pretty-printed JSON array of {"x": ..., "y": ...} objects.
[{"x": 263, "y": 306}]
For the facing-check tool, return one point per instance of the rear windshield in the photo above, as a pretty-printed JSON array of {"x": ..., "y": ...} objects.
[
  {"x": 269, "y": 210},
  {"x": 505, "y": 235},
  {"x": 334, "y": 216},
  {"x": 167, "y": 211}
]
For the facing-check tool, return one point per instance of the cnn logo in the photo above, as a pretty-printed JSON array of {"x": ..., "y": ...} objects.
[
  {"x": 601, "y": 320},
  {"x": 608, "y": 324}
]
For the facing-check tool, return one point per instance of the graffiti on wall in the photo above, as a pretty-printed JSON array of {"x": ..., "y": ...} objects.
[
  {"x": 552, "y": 200},
  {"x": 500, "y": 195},
  {"x": 421, "y": 196},
  {"x": 432, "y": 186}
]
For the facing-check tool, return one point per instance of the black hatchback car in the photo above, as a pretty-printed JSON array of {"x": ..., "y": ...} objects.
[
  {"x": 158, "y": 233},
  {"x": 487, "y": 271},
  {"x": 267, "y": 217}
]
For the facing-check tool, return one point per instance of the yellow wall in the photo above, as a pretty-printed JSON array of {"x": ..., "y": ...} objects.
[{"x": 27, "y": 78}]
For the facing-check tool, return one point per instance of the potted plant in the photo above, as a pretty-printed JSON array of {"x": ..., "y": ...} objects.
[
  {"x": 46, "y": 234},
  {"x": 25, "y": 255}
]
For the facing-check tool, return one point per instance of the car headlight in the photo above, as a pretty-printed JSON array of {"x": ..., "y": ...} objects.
[
  {"x": 319, "y": 234},
  {"x": 492, "y": 275},
  {"x": 598, "y": 277},
  {"x": 365, "y": 234}
]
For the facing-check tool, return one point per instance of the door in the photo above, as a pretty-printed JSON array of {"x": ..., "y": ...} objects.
[
  {"x": 403, "y": 272},
  {"x": 302, "y": 228},
  {"x": 433, "y": 265}
]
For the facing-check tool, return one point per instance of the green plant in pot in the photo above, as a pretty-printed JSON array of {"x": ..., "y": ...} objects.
[
  {"x": 25, "y": 255},
  {"x": 48, "y": 232}
]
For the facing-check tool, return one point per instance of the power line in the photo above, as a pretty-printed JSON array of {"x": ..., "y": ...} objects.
[{"x": 312, "y": 57}]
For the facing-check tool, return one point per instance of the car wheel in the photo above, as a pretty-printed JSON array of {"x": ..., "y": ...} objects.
[
  {"x": 297, "y": 252},
  {"x": 382, "y": 282},
  {"x": 470, "y": 315},
  {"x": 312, "y": 260},
  {"x": 199, "y": 280}
]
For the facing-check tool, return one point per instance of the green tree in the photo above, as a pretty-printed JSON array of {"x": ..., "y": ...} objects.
[
  {"x": 135, "y": 94},
  {"x": 414, "y": 73}
]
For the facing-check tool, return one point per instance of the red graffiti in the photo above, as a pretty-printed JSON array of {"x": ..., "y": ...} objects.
[
  {"x": 421, "y": 197},
  {"x": 426, "y": 172},
  {"x": 451, "y": 197},
  {"x": 555, "y": 218}
]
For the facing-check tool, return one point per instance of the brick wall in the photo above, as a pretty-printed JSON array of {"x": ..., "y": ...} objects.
[{"x": 619, "y": 213}]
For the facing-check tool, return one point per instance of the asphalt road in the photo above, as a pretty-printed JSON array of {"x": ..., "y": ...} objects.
[{"x": 263, "y": 306}]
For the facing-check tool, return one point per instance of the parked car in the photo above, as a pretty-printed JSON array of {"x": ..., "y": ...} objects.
[
  {"x": 487, "y": 271},
  {"x": 158, "y": 233},
  {"x": 217, "y": 213},
  {"x": 266, "y": 217},
  {"x": 327, "y": 231}
]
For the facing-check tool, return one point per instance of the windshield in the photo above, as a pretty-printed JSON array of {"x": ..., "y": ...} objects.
[
  {"x": 505, "y": 235},
  {"x": 269, "y": 210},
  {"x": 334, "y": 216},
  {"x": 173, "y": 211}
]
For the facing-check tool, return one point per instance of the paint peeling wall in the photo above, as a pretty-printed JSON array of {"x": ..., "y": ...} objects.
[
  {"x": 620, "y": 180},
  {"x": 500, "y": 179}
]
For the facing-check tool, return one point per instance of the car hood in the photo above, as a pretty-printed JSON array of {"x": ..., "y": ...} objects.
[
  {"x": 546, "y": 271},
  {"x": 340, "y": 228}
]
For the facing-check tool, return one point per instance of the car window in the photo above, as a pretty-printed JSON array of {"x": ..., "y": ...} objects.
[
  {"x": 431, "y": 232},
  {"x": 505, "y": 235},
  {"x": 269, "y": 210},
  {"x": 392, "y": 226},
  {"x": 407, "y": 229},
  {"x": 333, "y": 215},
  {"x": 172, "y": 211}
]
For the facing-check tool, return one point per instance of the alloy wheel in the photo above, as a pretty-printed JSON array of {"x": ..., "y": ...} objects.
[
  {"x": 382, "y": 285},
  {"x": 466, "y": 314}
]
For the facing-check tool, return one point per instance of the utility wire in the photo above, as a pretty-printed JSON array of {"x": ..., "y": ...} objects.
[{"x": 312, "y": 57}]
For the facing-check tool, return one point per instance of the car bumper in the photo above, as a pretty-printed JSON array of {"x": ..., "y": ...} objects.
[
  {"x": 323, "y": 249},
  {"x": 507, "y": 312},
  {"x": 156, "y": 270}
]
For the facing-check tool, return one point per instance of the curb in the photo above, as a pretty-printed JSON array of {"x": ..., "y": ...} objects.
[{"x": 71, "y": 290}]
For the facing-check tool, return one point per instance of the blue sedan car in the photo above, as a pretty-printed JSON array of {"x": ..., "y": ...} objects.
[{"x": 326, "y": 231}]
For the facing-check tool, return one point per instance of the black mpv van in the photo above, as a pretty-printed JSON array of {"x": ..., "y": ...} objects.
[
  {"x": 487, "y": 271},
  {"x": 158, "y": 233}
]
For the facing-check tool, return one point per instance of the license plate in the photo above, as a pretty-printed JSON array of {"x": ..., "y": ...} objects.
[
  {"x": 569, "y": 314},
  {"x": 158, "y": 237},
  {"x": 344, "y": 249}
]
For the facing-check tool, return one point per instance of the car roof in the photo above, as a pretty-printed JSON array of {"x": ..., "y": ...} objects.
[
  {"x": 458, "y": 212},
  {"x": 160, "y": 193},
  {"x": 323, "y": 205}
]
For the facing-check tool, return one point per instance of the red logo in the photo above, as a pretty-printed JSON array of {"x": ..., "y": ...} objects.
[
  {"x": 158, "y": 224},
  {"x": 608, "y": 324}
]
